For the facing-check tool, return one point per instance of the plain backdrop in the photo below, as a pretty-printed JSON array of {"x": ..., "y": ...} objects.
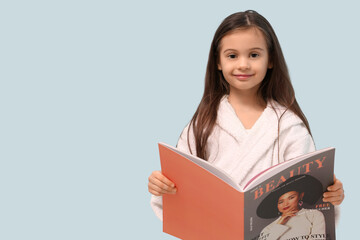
[{"x": 88, "y": 88}]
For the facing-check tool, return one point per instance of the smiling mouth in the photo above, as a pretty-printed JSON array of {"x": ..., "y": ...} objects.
[{"x": 243, "y": 76}]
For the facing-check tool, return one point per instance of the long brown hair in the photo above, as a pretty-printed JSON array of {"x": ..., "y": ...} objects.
[{"x": 276, "y": 84}]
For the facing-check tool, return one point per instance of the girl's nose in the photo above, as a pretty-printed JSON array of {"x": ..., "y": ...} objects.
[{"x": 243, "y": 63}]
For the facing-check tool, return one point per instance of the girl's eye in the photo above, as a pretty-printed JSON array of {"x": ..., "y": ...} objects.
[
  {"x": 232, "y": 56},
  {"x": 254, "y": 55}
]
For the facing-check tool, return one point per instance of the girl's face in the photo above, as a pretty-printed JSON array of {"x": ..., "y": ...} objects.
[
  {"x": 289, "y": 201},
  {"x": 244, "y": 59}
]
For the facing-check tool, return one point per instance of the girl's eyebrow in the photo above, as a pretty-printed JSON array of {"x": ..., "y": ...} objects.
[
  {"x": 251, "y": 49},
  {"x": 230, "y": 50},
  {"x": 257, "y": 48}
]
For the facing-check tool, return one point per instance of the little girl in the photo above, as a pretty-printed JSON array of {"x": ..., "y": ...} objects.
[{"x": 248, "y": 119}]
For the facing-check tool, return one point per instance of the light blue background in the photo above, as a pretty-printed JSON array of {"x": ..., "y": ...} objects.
[{"x": 88, "y": 88}]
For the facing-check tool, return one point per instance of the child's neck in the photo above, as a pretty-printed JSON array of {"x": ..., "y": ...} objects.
[
  {"x": 247, "y": 101},
  {"x": 248, "y": 108}
]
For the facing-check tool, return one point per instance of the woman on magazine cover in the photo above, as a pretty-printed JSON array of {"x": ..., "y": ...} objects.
[
  {"x": 286, "y": 202},
  {"x": 248, "y": 118}
]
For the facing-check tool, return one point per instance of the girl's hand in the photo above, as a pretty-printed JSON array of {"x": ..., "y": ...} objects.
[
  {"x": 335, "y": 194},
  {"x": 286, "y": 216},
  {"x": 159, "y": 184}
]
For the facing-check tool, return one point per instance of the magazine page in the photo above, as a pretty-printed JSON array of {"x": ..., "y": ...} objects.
[
  {"x": 289, "y": 204},
  {"x": 262, "y": 176},
  {"x": 204, "y": 206},
  {"x": 207, "y": 166}
]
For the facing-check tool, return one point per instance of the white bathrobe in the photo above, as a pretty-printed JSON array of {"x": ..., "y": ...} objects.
[{"x": 243, "y": 153}]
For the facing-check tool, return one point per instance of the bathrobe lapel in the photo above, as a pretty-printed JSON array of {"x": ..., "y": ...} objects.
[{"x": 254, "y": 143}]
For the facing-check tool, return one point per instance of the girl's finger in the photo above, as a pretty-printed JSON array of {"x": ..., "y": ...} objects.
[
  {"x": 334, "y": 200},
  {"x": 154, "y": 192},
  {"x": 336, "y": 186},
  {"x": 334, "y": 194},
  {"x": 161, "y": 187},
  {"x": 159, "y": 176}
]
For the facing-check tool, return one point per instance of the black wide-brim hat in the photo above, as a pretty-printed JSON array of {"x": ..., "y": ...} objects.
[{"x": 310, "y": 186}]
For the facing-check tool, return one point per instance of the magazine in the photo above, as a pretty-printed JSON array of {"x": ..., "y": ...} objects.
[{"x": 283, "y": 202}]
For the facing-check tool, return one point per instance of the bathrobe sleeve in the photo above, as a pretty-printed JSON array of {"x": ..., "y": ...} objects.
[
  {"x": 183, "y": 143},
  {"x": 295, "y": 140}
]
